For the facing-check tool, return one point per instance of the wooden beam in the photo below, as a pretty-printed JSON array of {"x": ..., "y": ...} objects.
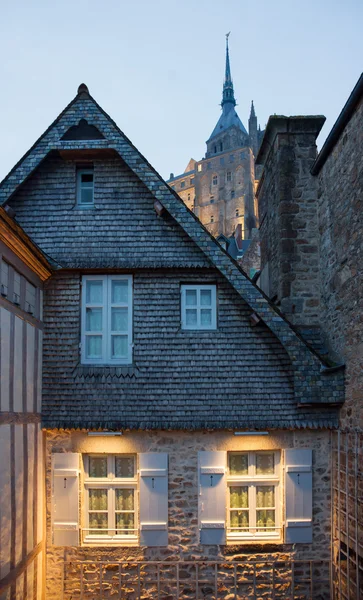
[
  {"x": 11, "y": 577},
  {"x": 16, "y": 239}
]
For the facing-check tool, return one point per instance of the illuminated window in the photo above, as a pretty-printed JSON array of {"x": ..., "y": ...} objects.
[
  {"x": 111, "y": 498},
  {"x": 253, "y": 495},
  {"x": 199, "y": 168}
]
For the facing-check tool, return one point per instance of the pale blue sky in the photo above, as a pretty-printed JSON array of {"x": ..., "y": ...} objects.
[{"x": 156, "y": 66}]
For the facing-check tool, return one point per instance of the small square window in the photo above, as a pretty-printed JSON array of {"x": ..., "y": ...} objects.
[
  {"x": 198, "y": 306},
  {"x": 85, "y": 187}
]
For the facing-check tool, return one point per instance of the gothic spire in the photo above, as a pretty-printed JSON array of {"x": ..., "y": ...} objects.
[
  {"x": 253, "y": 114},
  {"x": 228, "y": 92}
]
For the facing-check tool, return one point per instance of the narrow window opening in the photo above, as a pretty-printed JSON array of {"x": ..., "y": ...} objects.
[{"x": 85, "y": 187}]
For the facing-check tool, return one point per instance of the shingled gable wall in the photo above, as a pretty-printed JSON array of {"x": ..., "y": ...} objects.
[{"x": 310, "y": 384}]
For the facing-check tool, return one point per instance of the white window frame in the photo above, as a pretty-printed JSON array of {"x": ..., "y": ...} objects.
[
  {"x": 81, "y": 172},
  {"x": 251, "y": 480},
  {"x": 198, "y": 306},
  {"x": 111, "y": 483},
  {"x": 106, "y": 332}
]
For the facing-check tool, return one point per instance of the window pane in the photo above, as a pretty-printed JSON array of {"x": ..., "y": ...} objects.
[
  {"x": 93, "y": 319},
  {"x": 191, "y": 317},
  {"x": 98, "y": 466},
  {"x": 94, "y": 346},
  {"x": 119, "y": 320},
  {"x": 119, "y": 345},
  {"x": 206, "y": 297},
  {"x": 97, "y": 499},
  {"x": 94, "y": 292},
  {"x": 265, "y": 464},
  {"x": 265, "y": 518},
  {"x": 239, "y": 496},
  {"x": 124, "y": 499},
  {"x": 239, "y": 518},
  {"x": 119, "y": 292},
  {"x": 206, "y": 317},
  {"x": 238, "y": 464},
  {"x": 87, "y": 195},
  {"x": 125, "y": 524},
  {"x": 265, "y": 496},
  {"x": 98, "y": 521},
  {"x": 124, "y": 466},
  {"x": 87, "y": 177},
  {"x": 191, "y": 297},
  {"x": 17, "y": 283}
]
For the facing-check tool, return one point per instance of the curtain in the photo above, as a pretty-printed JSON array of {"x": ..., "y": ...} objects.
[
  {"x": 124, "y": 466},
  {"x": 97, "y": 466},
  {"x": 238, "y": 464},
  {"x": 265, "y": 464}
]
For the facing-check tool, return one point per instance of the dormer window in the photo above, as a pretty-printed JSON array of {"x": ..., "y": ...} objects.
[{"x": 85, "y": 187}]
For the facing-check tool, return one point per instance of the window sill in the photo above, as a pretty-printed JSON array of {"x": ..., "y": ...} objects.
[
  {"x": 123, "y": 542},
  {"x": 253, "y": 540}
]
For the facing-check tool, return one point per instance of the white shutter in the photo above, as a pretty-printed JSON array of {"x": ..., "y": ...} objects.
[
  {"x": 299, "y": 497},
  {"x": 153, "y": 499},
  {"x": 65, "y": 498},
  {"x": 212, "y": 497}
]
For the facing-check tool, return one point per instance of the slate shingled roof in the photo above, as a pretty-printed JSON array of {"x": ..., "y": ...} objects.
[{"x": 313, "y": 382}]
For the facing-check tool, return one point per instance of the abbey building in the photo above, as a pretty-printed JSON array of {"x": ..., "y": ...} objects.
[{"x": 220, "y": 187}]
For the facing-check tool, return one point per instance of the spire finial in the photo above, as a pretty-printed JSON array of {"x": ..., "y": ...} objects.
[{"x": 228, "y": 92}]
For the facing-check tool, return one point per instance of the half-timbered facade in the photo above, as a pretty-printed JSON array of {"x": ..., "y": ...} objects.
[
  {"x": 185, "y": 417},
  {"x": 23, "y": 271}
]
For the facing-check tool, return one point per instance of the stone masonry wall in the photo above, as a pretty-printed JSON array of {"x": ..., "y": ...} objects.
[
  {"x": 340, "y": 207},
  {"x": 287, "y": 197},
  {"x": 222, "y": 206},
  {"x": 182, "y": 448}
]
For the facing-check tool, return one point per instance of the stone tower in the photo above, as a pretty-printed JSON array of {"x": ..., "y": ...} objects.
[{"x": 220, "y": 187}]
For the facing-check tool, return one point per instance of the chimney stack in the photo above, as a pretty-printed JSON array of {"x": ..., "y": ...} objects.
[{"x": 288, "y": 213}]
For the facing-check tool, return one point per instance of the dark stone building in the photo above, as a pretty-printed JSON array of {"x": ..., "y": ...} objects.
[
  {"x": 311, "y": 241},
  {"x": 220, "y": 188}
]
